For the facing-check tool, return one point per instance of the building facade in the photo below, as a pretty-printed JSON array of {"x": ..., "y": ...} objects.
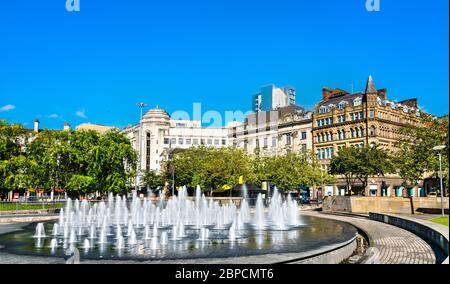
[
  {"x": 271, "y": 98},
  {"x": 157, "y": 134},
  {"x": 276, "y": 132},
  {"x": 361, "y": 119}
]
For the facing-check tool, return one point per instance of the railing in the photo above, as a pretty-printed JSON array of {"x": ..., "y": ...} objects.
[{"x": 21, "y": 208}]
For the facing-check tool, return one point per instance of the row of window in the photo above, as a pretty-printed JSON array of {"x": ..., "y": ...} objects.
[
  {"x": 354, "y": 116},
  {"x": 355, "y": 132},
  {"x": 195, "y": 141},
  {"x": 341, "y": 105},
  {"x": 328, "y": 153},
  {"x": 325, "y": 153}
]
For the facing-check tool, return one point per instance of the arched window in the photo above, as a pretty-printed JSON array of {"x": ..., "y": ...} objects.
[
  {"x": 353, "y": 132},
  {"x": 328, "y": 137},
  {"x": 372, "y": 131},
  {"x": 323, "y": 137},
  {"x": 331, "y": 136},
  {"x": 357, "y": 132},
  {"x": 339, "y": 134},
  {"x": 362, "y": 131},
  {"x": 343, "y": 134}
]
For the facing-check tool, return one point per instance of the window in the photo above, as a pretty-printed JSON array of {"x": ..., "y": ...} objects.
[
  {"x": 323, "y": 137},
  {"x": 352, "y": 116},
  {"x": 327, "y": 154},
  {"x": 362, "y": 131},
  {"x": 210, "y": 141},
  {"x": 304, "y": 148},
  {"x": 288, "y": 139},
  {"x": 181, "y": 125},
  {"x": 173, "y": 141},
  {"x": 323, "y": 153},
  {"x": 343, "y": 134},
  {"x": 342, "y": 105},
  {"x": 188, "y": 141},
  {"x": 318, "y": 154},
  {"x": 304, "y": 135},
  {"x": 195, "y": 141},
  {"x": 224, "y": 142},
  {"x": 331, "y": 136},
  {"x": 180, "y": 141},
  {"x": 318, "y": 122},
  {"x": 274, "y": 142},
  {"x": 372, "y": 131},
  {"x": 332, "y": 152},
  {"x": 216, "y": 142},
  {"x": 318, "y": 138},
  {"x": 339, "y": 134},
  {"x": 353, "y": 132},
  {"x": 331, "y": 120},
  {"x": 343, "y": 118},
  {"x": 166, "y": 141},
  {"x": 202, "y": 141},
  {"x": 361, "y": 115},
  {"x": 327, "y": 137},
  {"x": 265, "y": 142},
  {"x": 357, "y": 132},
  {"x": 322, "y": 109},
  {"x": 357, "y": 102},
  {"x": 372, "y": 114}
]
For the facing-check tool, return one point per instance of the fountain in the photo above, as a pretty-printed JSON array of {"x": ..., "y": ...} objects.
[
  {"x": 87, "y": 244},
  {"x": 132, "y": 240},
  {"x": 40, "y": 231},
  {"x": 53, "y": 244},
  {"x": 55, "y": 231},
  {"x": 184, "y": 227},
  {"x": 204, "y": 234}
]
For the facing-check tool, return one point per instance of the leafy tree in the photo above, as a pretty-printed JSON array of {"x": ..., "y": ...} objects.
[
  {"x": 416, "y": 157},
  {"x": 358, "y": 164},
  {"x": 80, "y": 185},
  {"x": 152, "y": 180},
  {"x": 345, "y": 163}
]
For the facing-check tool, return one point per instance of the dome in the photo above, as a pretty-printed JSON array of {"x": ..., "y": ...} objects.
[{"x": 157, "y": 114}]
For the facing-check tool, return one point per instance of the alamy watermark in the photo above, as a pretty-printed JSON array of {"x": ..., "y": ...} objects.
[
  {"x": 73, "y": 5},
  {"x": 373, "y": 5}
]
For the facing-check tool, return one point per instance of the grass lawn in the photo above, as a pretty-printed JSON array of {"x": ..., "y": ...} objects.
[
  {"x": 441, "y": 220},
  {"x": 10, "y": 206}
]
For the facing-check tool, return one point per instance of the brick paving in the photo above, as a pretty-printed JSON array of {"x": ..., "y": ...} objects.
[{"x": 388, "y": 244}]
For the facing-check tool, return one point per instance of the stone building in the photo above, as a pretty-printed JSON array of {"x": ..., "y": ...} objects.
[
  {"x": 362, "y": 119},
  {"x": 276, "y": 132},
  {"x": 157, "y": 134}
]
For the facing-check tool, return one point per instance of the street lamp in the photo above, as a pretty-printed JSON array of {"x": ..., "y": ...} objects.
[
  {"x": 439, "y": 150},
  {"x": 323, "y": 186},
  {"x": 138, "y": 177}
]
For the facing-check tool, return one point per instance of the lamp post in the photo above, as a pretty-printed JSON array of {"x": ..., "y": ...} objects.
[
  {"x": 141, "y": 105},
  {"x": 439, "y": 150}
]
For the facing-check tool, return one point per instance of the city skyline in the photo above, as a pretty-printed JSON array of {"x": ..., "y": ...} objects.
[{"x": 89, "y": 67}]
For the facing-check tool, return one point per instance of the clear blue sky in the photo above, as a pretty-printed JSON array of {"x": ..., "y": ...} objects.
[{"x": 99, "y": 62}]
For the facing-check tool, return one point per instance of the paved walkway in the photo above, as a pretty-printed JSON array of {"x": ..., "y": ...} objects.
[{"x": 388, "y": 244}]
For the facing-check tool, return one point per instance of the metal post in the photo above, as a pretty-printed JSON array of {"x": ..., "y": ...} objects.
[
  {"x": 173, "y": 180},
  {"x": 442, "y": 187}
]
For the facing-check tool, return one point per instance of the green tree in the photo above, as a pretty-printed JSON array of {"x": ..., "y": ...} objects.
[
  {"x": 416, "y": 157},
  {"x": 152, "y": 180}
]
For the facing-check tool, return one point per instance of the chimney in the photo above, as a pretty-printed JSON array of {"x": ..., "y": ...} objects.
[
  {"x": 66, "y": 126},
  {"x": 36, "y": 126},
  {"x": 326, "y": 92}
]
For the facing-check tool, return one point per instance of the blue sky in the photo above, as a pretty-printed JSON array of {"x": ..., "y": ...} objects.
[{"x": 96, "y": 64}]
